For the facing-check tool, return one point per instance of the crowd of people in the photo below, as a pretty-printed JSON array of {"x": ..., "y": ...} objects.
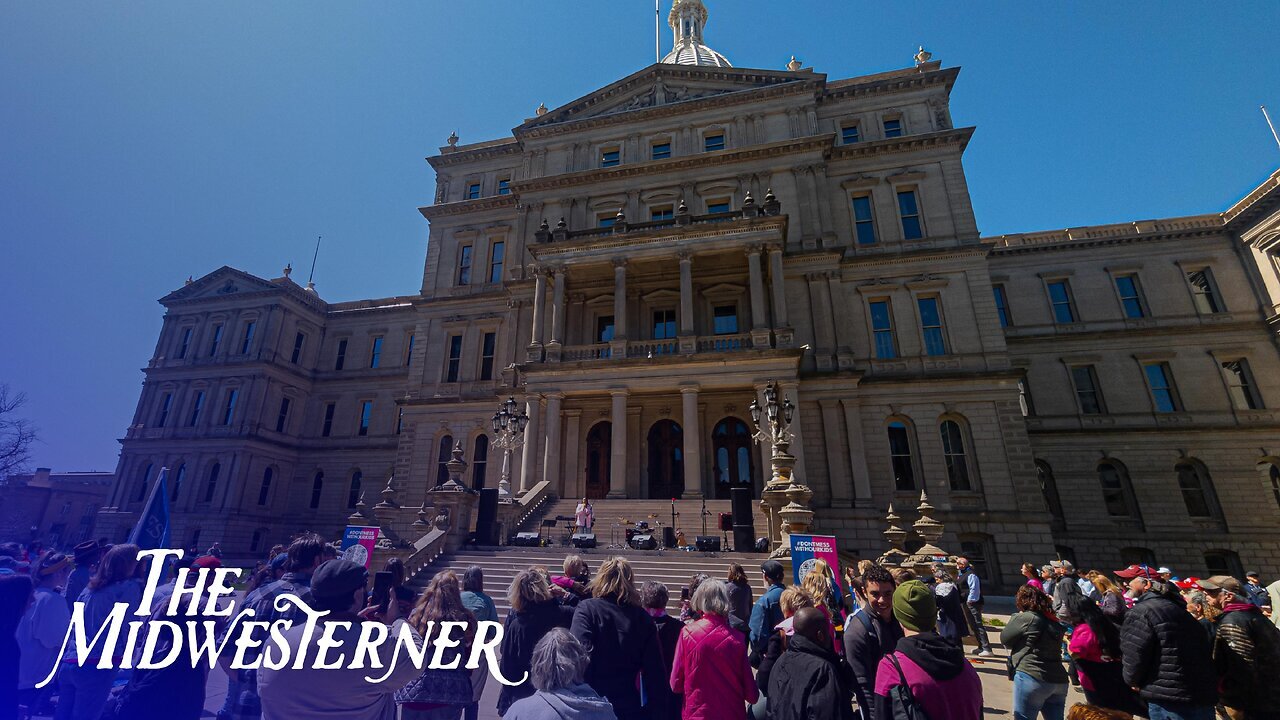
[{"x": 879, "y": 644}]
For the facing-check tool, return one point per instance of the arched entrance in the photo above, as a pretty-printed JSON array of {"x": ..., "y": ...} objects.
[
  {"x": 732, "y": 450},
  {"x": 599, "y": 447},
  {"x": 666, "y": 460}
]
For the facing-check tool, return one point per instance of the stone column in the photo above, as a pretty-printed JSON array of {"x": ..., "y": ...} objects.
[
  {"x": 573, "y": 481},
  {"x": 759, "y": 321},
  {"x": 791, "y": 389},
  {"x": 781, "y": 328},
  {"x": 823, "y": 327},
  {"x": 539, "y": 311},
  {"x": 551, "y": 466},
  {"x": 618, "y": 446},
  {"x": 857, "y": 453},
  {"x": 557, "y": 316},
  {"x": 688, "y": 336},
  {"x": 528, "y": 459},
  {"x": 619, "y": 349},
  {"x": 692, "y": 444}
]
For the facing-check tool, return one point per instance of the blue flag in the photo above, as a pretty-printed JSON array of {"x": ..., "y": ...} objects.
[{"x": 152, "y": 530}]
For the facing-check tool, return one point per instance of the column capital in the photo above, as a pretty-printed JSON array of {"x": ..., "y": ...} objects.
[
  {"x": 772, "y": 248},
  {"x": 554, "y": 395},
  {"x": 753, "y": 250},
  {"x": 685, "y": 256},
  {"x": 619, "y": 263},
  {"x": 689, "y": 389},
  {"x": 619, "y": 392}
]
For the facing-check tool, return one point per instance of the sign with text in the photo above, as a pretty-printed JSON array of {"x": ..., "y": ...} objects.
[
  {"x": 358, "y": 542},
  {"x": 806, "y": 550}
]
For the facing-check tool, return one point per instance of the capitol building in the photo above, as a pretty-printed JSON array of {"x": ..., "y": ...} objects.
[{"x": 636, "y": 265}]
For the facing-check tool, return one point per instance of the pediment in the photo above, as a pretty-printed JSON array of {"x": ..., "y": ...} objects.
[{"x": 221, "y": 283}]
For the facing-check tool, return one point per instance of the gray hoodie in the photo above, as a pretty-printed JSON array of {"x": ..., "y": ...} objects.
[{"x": 578, "y": 702}]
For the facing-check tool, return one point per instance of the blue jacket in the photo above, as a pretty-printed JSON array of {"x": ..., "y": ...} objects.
[{"x": 765, "y": 614}]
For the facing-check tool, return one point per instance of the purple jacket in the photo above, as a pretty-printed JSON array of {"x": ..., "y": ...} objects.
[{"x": 942, "y": 681}]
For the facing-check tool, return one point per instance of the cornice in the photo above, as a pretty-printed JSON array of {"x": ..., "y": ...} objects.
[
  {"x": 958, "y": 252},
  {"x": 906, "y": 143},
  {"x": 463, "y": 207},
  {"x": 1072, "y": 244},
  {"x": 772, "y": 225},
  {"x": 875, "y": 85},
  {"x": 485, "y": 151}
]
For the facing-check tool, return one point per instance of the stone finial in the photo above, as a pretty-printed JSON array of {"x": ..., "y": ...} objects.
[
  {"x": 682, "y": 209},
  {"x": 794, "y": 65},
  {"x": 748, "y": 201},
  {"x": 621, "y": 217},
  {"x": 189, "y": 281},
  {"x": 562, "y": 224},
  {"x": 358, "y": 515},
  {"x": 923, "y": 56},
  {"x": 542, "y": 109},
  {"x": 288, "y": 270},
  {"x": 453, "y": 140},
  {"x": 389, "y": 494}
]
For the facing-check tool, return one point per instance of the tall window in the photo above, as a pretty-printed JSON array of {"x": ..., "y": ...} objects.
[
  {"x": 504, "y": 186},
  {"x": 1223, "y": 562},
  {"x": 473, "y": 191},
  {"x": 849, "y": 134},
  {"x": 442, "y": 460},
  {"x": 497, "y": 253},
  {"x": 175, "y": 490},
  {"x": 1060, "y": 298},
  {"x": 341, "y": 359},
  {"x": 353, "y": 492},
  {"x": 366, "y": 411},
  {"x": 660, "y": 151},
  {"x": 453, "y": 364},
  {"x": 664, "y": 324},
  {"x": 144, "y": 482},
  {"x": 211, "y": 482},
  {"x": 299, "y": 342},
  {"x": 464, "y": 265},
  {"x": 1002, "y": 305},
  {"x": 282, "y": 418},
  {"x": 904, "y": 474},
  {"x": 327, "y": 428},
  {"x": 375, "y": 352},
  {"x": 1025, "y": 403},
  {"x": 1117, "y": 494},
  {"x": 1049, "y": 488},
  {"x": 953, "y": 453},
  {"x": 165, "y": 405},
  {"x": 1240, "y": 385},
  {"x": 1197, "y": 490},
  {"x": 1160, "y": 381},
  {"x": 1088, "y": 394},
  {"x": 264, "y": 490},
  {"x": 488, "y": 347},
  {"x": 712, "y": 143},
  {"x": 864, "y": 221},
  {"x": 909, "y": 213},
  {"x": 1130, "y": 296},
  {"x": 317, "y": 489},
  {"x": 247, "y": 341},
  {"x": 196, "y": 406},
  {"x": 604, "y": 328},
  {"x": 882, "y": 328},
  {"x": 228, "y": 412},
  {"x": 931, "y": 326},
  {"x": 893, "y": 127},
  {"x": 479, "y": 462},
  {"x": 408, "y": 349},
  {"x": 184, "y": 343},
  {"x": 725, "y": 320},
  {"x": 610, "y": 157},
  {"x": 1204, "y": 291},
  {"x": 215, "y": 341}
]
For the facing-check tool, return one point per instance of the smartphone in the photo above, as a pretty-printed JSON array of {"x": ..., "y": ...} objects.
[
  {"x": 684, "y": 593},
  {"x": 381, "y": 595}
]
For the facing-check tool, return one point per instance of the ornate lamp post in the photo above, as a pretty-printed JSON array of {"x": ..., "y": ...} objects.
[
  {"x": 508, "y": 434},
  {"x": 773, "y": 425}
]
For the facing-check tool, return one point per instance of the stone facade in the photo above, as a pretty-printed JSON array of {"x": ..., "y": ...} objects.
[
  {"x": 58, "y": 510},
  {"x": 637, "y": 264}
]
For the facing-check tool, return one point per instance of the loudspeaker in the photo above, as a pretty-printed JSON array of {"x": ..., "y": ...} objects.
[
  {"x": 669, "y": 536},
  {"x": 707, "y": 543},
  {"x": 526, "y": 539},
  {"x": 584, "y": 540},
  {"x": 743, "y": 538},
  {"x": 744, "y": 530},
  {"x": 486, "y": 525},
  {"x": 644, "y": 542},
  {"x": 726, "y": 522}
]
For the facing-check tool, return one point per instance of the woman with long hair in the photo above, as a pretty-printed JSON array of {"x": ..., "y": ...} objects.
[
  {"x": 534, "y": 613},
  {"x": 740, "y": 595},
  {"x": 711, "y": 668},
  {"x": 623, "y": 642},
  {"x": 1095, "y": 646},
  {"x": 1033, "y": 577},
  {"x": 1034, "y": 639},
  {"x": 818, "y": 586},
  {"x": 82, "y": 687},
  {"x": 440, "y": 694},
  {"x": 1112, "y": 603}
]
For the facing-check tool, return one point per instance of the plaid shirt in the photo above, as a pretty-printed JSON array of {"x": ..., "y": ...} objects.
[{"x": 247, "y": 706}]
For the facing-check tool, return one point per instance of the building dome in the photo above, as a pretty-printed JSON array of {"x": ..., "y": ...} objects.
[{"x": 687, "y": 20}]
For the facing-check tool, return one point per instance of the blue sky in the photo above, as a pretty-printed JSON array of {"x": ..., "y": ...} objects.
[{"x": 143, "y": 142}]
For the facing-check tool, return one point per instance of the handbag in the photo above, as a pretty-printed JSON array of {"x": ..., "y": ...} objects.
[{"x": 438, "y": 687}]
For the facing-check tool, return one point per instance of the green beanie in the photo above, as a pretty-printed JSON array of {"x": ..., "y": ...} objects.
[{"x": 915, "y": 606}]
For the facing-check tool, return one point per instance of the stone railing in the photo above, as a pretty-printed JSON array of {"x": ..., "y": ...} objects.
[
  {"x": 652, "y": 348},
  {"x": 512, "y": 516},
  {"x": 598, "y": 351},
  {"x": 724, "y": 343}
]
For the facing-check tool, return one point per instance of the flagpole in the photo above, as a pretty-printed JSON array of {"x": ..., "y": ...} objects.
[
  {"x": 657, "y": 31},
  {"x": 137, "y": 527},
  {"x": 1266, "y": 115}
]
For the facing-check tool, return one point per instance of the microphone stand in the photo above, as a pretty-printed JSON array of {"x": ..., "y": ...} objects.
[{"x": 704, "y": 516}]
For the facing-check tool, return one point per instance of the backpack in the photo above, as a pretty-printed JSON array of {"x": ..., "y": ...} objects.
[{"x": 901, "y": 700}]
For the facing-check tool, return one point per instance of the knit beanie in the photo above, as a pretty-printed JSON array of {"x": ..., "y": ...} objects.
[{"x": 915, "y": 606}]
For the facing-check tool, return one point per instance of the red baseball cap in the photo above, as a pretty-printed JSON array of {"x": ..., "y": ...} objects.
[
  {"x": 1134, "y": 571},
  {"x": 207, "y": 562},
  {"x": 1187, "y": 584}
]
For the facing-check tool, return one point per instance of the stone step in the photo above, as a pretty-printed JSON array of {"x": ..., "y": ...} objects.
[{"x": 610, "y": 514}]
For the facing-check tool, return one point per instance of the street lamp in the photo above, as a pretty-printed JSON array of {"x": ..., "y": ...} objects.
[
  {"x": 777, "y": 427},
  {"x": 508, "y": 434},
  {"x": 773, "y": 425}
]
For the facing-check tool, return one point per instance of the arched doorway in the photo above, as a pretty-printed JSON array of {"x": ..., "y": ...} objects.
[
  {"x": 666, "y": 460},
  {"x": 731, "y": 448},
  {"x": 599, "y": 448}
]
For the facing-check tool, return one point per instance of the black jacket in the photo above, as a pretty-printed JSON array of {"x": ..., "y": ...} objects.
[
  {"x": 623, "y": 642},
  {"x": 521, "y": 632},
  {"x": 668, "y": 636},
  {"x": 773, "y": 650},
  {"x": 1246, "y": 653},
  {"x": 865, "y": 644},
  {"x": 809, "y": 682},
  {"x": 740, "y": 599},
  {"x": 1166, "y": 653}
]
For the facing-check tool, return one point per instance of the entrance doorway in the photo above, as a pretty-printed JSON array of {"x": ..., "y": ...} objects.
[
  {"x": 666, "y": 460},
  {"x": 599, "y": 450},
  {"x": 731, "y": 447}
]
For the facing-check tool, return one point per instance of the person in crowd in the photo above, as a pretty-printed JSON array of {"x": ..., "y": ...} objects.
[
  {"x": 483, "y": 608},
  {"x": 338, "y": 587},
  {"x": 1087, "y": 588},
  {"x": 1095, "y": 647},
  {"x": 87, "y": 555},
  {"x": 654, "y": 597},
  {"x": 82, "y": 686},
  {"x": 765, "y": 613},
  {"x": 1165, "y": 574},
  {"x": 1273, "y": 592},
  {"x": 1068, "y": 584},
  {"x": 1033, "y": 577},
  {"x": 1254, "y": 589},
  {"x": 809, "y": 681},
  {"x": 584, "y": 516},
  {"x": 1048, "y": 578},
  {"x": 687, "y": 613},
  {"x": 1034, "y": 639},
  {"x": 1165, "y": 652},
  {"x": 43, "y": 627},
  {"x": 901, "y": 574},
  {"x": 818, "y": 586},
  {"x": 623, "y": 642},
  {"x": 1204, "y": 613},
  {"x": 969, "y": 582},
  {"x": 215, "y": 550},
  {"x": 440, "y": 694},
  {"x": 853, "y": 583},
  {"x": 740, "y": 595},
  {"x": 534, "y": 613},
  {"x": 574, "y": 580},
  {"x": 942, "y": 683},
  {"x": 951, "y": 614},
  {"x": 328, "y": 552},
  {"x": 15, "y": 596},
  {"x": 1246, "y": 651},
  {"x": 1110, "y": 598},
  {"x": 871, "y": 634},
  {"x": 710, "y": 668},
  {"x": 559, "y": 663},
  {"x": 793, "y": 600}
]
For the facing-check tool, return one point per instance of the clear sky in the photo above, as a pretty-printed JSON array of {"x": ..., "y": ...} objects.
[{"x": 143, "y": 142}]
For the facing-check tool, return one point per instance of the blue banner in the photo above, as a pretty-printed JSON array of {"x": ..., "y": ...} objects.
[
  {"x": 806, "y": 549},
  {"x": 152, "y": 530}
]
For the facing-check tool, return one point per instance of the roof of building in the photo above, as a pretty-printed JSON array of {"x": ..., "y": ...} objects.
[
  {"x": 42, "y": 477},
  {"x": 687, "y": 20}
]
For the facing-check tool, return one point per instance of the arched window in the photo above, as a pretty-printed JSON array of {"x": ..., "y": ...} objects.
[
  {"x": 1137, "y": 556},
  {"x": 731, "y": 448},
  {"x": 1049, "y": 487},
  {"x": 479, "y": 462},
  {"x": 140, "y": 491},
  {"x": 353, "y": 494},
  {"x": 317, "y": 488},
  {"x": 1197, "y": 490},
  {"x": 442, "y": 460},
  {"x": 1223, "y": 562},
  {"x": 954, "y": 454},
  {"x": 211, "y": 482},
  {"x": 900, "y": 456},
  {"x": 1117, "y": 492},
  {"x": 175, "y": 491},
  {"x": 264, "y": 491}
]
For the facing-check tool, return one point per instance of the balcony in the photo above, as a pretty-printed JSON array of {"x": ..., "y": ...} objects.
[{"x": 650, "y": 349}]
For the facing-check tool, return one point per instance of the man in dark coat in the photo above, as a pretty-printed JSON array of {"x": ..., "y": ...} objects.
[
  {"x": 623, "y": 642},
  {"x": 1166, "y": 652},
  {"x": 1246, "y": 651},
  {"x": 870, "y": 634},
  {"x": 809, "y": 682}
]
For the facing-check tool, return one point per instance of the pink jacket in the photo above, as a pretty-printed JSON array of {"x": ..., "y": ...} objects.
[{"x": 711, "y": 670}]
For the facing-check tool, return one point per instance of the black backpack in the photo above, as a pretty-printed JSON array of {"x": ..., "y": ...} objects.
[{"x": 901, "y": 700}]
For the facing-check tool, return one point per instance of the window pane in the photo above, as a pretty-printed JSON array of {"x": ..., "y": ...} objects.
[
  {"x": 900, "y": 455},
  {"x": 496, "y": 257},
  {"x": 464, "y": 265},
  {"x": 1002, "y": 305},
  {"x": 1127, "y": 285},
  {"x": 849, "y": 134},
  {"x": 882, "y": 325},
  {"x": 610, "y": 158},
  {"x": 1239, "y": 386},
  {"x": 604, "y": 328},
  {"x": 661, "y": 213},
  {"x": 375, "y": 353},
  {"x": 1193, "y": 492},
  {"x": 1086, "y": 390},
  {"x": 893, "y": 128},
  {"x": 1113, "y": 493},
  {"x": 664, "y": 324},
  {"x": 1202, "y": 291},
  {"x": 909, "y": 211},
  {"x": 931, "y": 324},
  {"x": 661, "y": 151},
  {"x": 1060, "y": 297},
  {"x": 1158, "y": 378},
  {"x": 342, "y": 355},
  {"x": 504, "y": 187},
  {"x": 863, "y": 221},
  {"x": 713, "y": 142},
  {"x": 953, "y": 453},
  {"x": 726, "y": 320},
  {"x": 718, "y": 207}
]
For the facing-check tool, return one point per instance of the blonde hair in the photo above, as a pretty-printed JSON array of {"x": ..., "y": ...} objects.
[
  {"x": 793, "y": 599},
  {"x": 616, "y": 581},
  {"x": 1103, "y": 583},
  {"x": 572, "y": 563},
  {"x": 818, "y": 587},
  {"x": 863, "y": 566},
  {"x": 528, "y": 588}
]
